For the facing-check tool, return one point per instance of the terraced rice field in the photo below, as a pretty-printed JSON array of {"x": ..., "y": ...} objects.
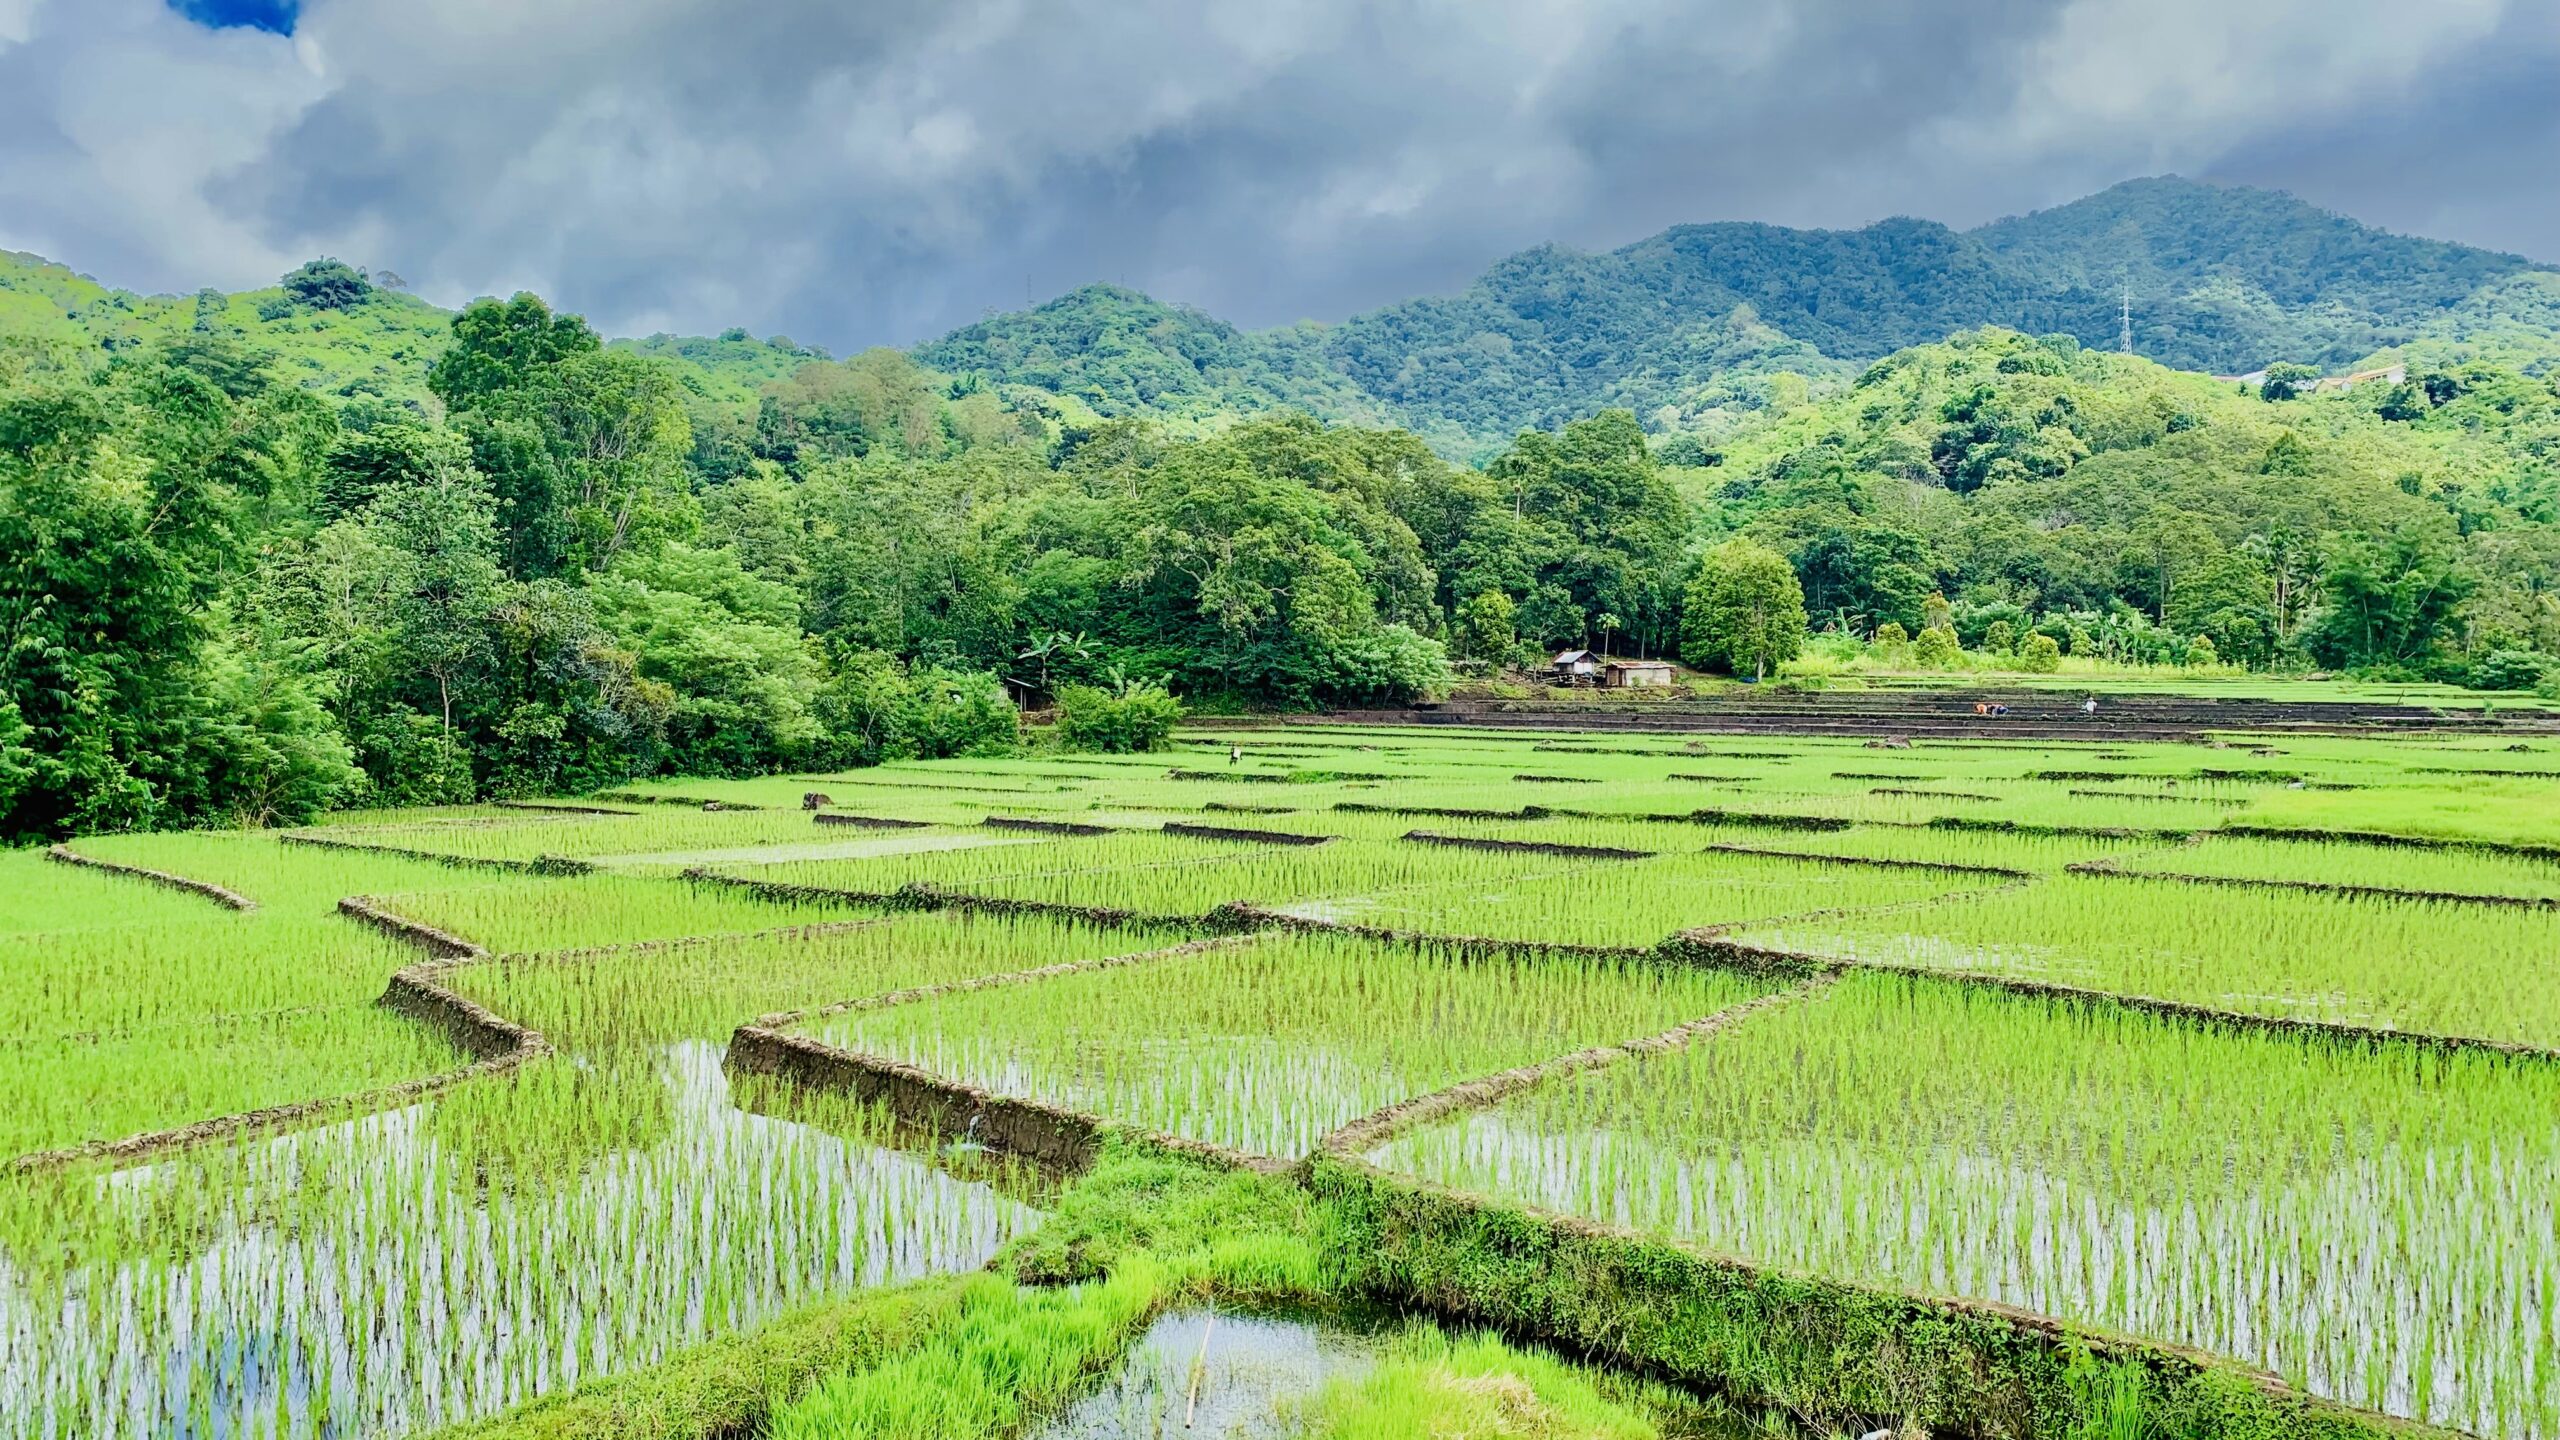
[
  {"x": 2057, "y": 1088},
  {"x": 1267, "y": 1045}
]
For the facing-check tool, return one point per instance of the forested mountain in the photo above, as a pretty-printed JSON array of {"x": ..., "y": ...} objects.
[
  {"x": 1693, "y": 329},
  {"x": 1685, "y": 326}
]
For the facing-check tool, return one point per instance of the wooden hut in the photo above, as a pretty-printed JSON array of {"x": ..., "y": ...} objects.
[{"x": 1637, "y": 675}]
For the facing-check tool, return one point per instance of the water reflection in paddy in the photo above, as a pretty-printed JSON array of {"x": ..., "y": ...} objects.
[{"x": 447, "y": 1260}]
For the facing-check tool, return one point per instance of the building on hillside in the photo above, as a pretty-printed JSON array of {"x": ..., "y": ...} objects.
[
  {"x": 2387, "y": 375},
  {"x": 1575, "y": 667},
  {"x": 1637, "y": 675}
]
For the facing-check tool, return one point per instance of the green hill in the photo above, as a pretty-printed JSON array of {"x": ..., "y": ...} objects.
[
  {"x": 1679, "y": 326},
  {"x": 2025, "y": 476},
  {"x": 1698, "y": 329},
  {"x": 1123, "y": 354},
  {"x": 379, "y": 346}
]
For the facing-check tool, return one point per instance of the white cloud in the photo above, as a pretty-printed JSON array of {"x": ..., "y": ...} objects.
[
  {"x": 17, "y": 21},
  {"x": 2180, "y": 80}
]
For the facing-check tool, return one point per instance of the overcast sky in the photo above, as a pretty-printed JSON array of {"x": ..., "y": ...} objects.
[{"x": 855, "y": 172}]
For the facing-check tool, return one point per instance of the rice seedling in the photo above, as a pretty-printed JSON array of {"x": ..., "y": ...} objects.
[
  {"x": 444, "y": 1261},
  {"x": 1153, "y": 873},
  {"x": 617, "y": 999},
  {"x": 2423, "y": 966},
  {"x": 1267, "y": 1046},
  {"x": 520, "y": 914},
  {"x": 1989, "y": 849},
  {"x": 2380, "y": 867},
  {"x": 280, "y": 878},
  {"x": 1635, "y": 903},
  {"x": 1201, "y": 877},
  {"x": 530, "y": 835},
  {"x": 41, "y": 897},
  {"x": 169, "y": 1009},
  {"x": 71, "y": 1090},
  {"x": 2375, "y": 1223},
  {"x": 2508, "y": 809}
]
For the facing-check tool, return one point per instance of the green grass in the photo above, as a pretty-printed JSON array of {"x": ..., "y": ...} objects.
[{"x": 1479, "y": 1388}]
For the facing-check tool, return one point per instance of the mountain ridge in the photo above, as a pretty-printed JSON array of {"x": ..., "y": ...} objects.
[
  {"x": 1693, "y": 327},
  {"x": 2225, "y": 279}
]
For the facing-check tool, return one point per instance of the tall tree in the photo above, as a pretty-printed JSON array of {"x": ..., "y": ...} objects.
[
  {"x": 1744, "y": 612},
  {"x": 502, "y": 345},
  {"x": 2392, "y": 601}
]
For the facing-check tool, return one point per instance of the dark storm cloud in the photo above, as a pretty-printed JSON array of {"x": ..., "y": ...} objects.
[
  {"x": 853, "y": 174},
  {"x": 2466, "y": 154}
]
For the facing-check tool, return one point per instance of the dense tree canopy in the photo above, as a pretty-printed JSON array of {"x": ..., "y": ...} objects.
[{"x": 2075, "y": 490}]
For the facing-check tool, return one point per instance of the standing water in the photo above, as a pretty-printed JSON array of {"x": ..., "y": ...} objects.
[{"x": 449, "y": 1260}]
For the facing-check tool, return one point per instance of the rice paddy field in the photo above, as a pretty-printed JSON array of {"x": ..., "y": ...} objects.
[{"x": 691, "y": 1108}]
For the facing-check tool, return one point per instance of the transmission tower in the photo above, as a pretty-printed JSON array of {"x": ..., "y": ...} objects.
[{"x": 2124, "y": 319}]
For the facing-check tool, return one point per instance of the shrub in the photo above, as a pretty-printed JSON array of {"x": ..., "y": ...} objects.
[
  {"x": 1937, "y": 649},
  {"x": 1975, "y": 622},
  {"x": 327, "y": 284},
  {"x": 1487, "y": 626},
  {"x": 1891, "y": 636},
  {"x": 2200, "y": 652},
  {"x": 1387, "y": 665},
  {"x": 2511, "y": 670},
  {"x": 2040, "y": 656},
  {"x": 873, "y": 709},
  {"x": 410, "y": 759},
  {"x": 1139, "y": 718},
  {"x": 1999, "y": 638},
  {"x": 960, "y": 712}
]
